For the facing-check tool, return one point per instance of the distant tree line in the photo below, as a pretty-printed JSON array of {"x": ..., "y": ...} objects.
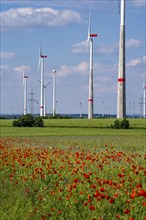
[{"x": 29, "y": 120}]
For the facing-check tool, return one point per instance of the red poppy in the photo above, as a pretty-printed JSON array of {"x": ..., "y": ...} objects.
[
  {"x": 126, "y": 211},
  {"x": 75, "y": 180},
  {"x": 139, "y": 185},
  {"x": 120, "y": 175},
  {"x": 133, "y": 194},
  {"x": 102, "y": 189},
  {"x": 86, "y": 175},
  {"x": 144, "y": 203},
  {"x": 142, "y": 192},
  {"x": 59, "y": 212},
  {"x": 92, "y": 207},
  {"x": 85, "y": 203},
  {"x": 111, "y": 200},
  {"x": 96, "y": 194}
]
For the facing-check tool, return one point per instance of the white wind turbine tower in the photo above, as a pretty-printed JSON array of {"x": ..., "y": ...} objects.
[
  {"x": 90, "y": 99},
  {"x": 25, "y": 77},
  {"x": 45, "y": 86},
  {"x": 54, "y": 92},
  {"x": 41, "y": 65},
  {"x": 121, "y": 98}
]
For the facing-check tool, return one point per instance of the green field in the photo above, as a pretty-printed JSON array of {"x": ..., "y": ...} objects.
[
  {"x": 73, "y": 169},
  {"x": 82, "y": 131}
]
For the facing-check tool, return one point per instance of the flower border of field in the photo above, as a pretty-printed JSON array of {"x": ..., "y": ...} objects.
[{"x": 71, "y": 182}]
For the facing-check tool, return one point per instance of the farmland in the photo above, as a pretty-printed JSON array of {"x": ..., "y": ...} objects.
[{"x": 73, "y": 169}]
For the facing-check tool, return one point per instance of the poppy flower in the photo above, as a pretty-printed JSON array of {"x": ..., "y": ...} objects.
[
  {"x": 126, "y": 211},
  {"x": 92, "y": 207},
  {"x": 111, "y": 200}
]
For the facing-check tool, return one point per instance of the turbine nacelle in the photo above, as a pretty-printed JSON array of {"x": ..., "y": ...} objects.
[
  {"x": 43, "y": 56},
  {"x": 93, "y": 35},
  {"x": 25, "y": 76}
]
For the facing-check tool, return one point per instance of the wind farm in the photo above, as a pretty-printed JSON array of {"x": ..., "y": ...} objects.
[
  {"x": 73, "y": 137},
  {"x": 77, "y": 75}
]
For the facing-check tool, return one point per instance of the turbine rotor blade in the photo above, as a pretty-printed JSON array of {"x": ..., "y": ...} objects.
[
  {"x": 39, "y": 63},
  {"x": 89, "y": 28},
  {"x": 23, "y": 79},
  {"x": 119, "y": 6},
  {"x": 40, "y": 54},
  {"x": 89, "y": 24},
  {"x": 47, "y": 84}
]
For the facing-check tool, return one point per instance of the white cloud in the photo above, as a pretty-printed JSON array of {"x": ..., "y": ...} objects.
[
  {"x": 136, "y": 62},
  {"x": 133, "y": 63},
  {"x": 139, "y": 3},
  {"x": 81, "y": 68},
  {"x": 133, "y": 43},
  {"x": 21, "y": 69},
  {"x": 83, "y": 47},
  {"x": 107, "y": 49},
  {"x": 28, "y": 17},
  {"x": 4, "y": 68},
  {"x": 111, "y": 48},
  {"x": 6, "y": 55}
]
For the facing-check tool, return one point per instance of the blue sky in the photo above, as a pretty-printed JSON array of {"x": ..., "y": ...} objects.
[{"x": 61, "y": 28}]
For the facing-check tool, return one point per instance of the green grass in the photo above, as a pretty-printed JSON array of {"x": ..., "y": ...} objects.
[
  {"x": 72, "y": 148},
  {"x": 97, "y": 123},
  {"x": 90, "y": 132}
]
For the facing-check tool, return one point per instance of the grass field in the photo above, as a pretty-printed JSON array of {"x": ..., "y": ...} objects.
[
  {"x": 82, "y": 131},
  {"x": 73, "y": 169}
]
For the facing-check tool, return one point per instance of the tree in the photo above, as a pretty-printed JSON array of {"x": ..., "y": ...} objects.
[
  {"x": 28, "y": 121},
  {"x": 39, "y": 122},
  {"x": 124, "y": 124}
]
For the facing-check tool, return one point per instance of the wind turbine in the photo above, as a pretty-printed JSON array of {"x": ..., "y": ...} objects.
[
  {"x": 45, "y": 86},
  {"x": 54, "y": 92},
  {"x": 41, "y": 64},
  {"x": 90, "y": 99},
  {"x": 121, "y": 98},
  {"x": 25, "y": 77}
]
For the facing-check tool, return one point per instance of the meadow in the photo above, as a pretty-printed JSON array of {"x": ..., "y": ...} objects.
[{"x": 73, "y": 169}]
